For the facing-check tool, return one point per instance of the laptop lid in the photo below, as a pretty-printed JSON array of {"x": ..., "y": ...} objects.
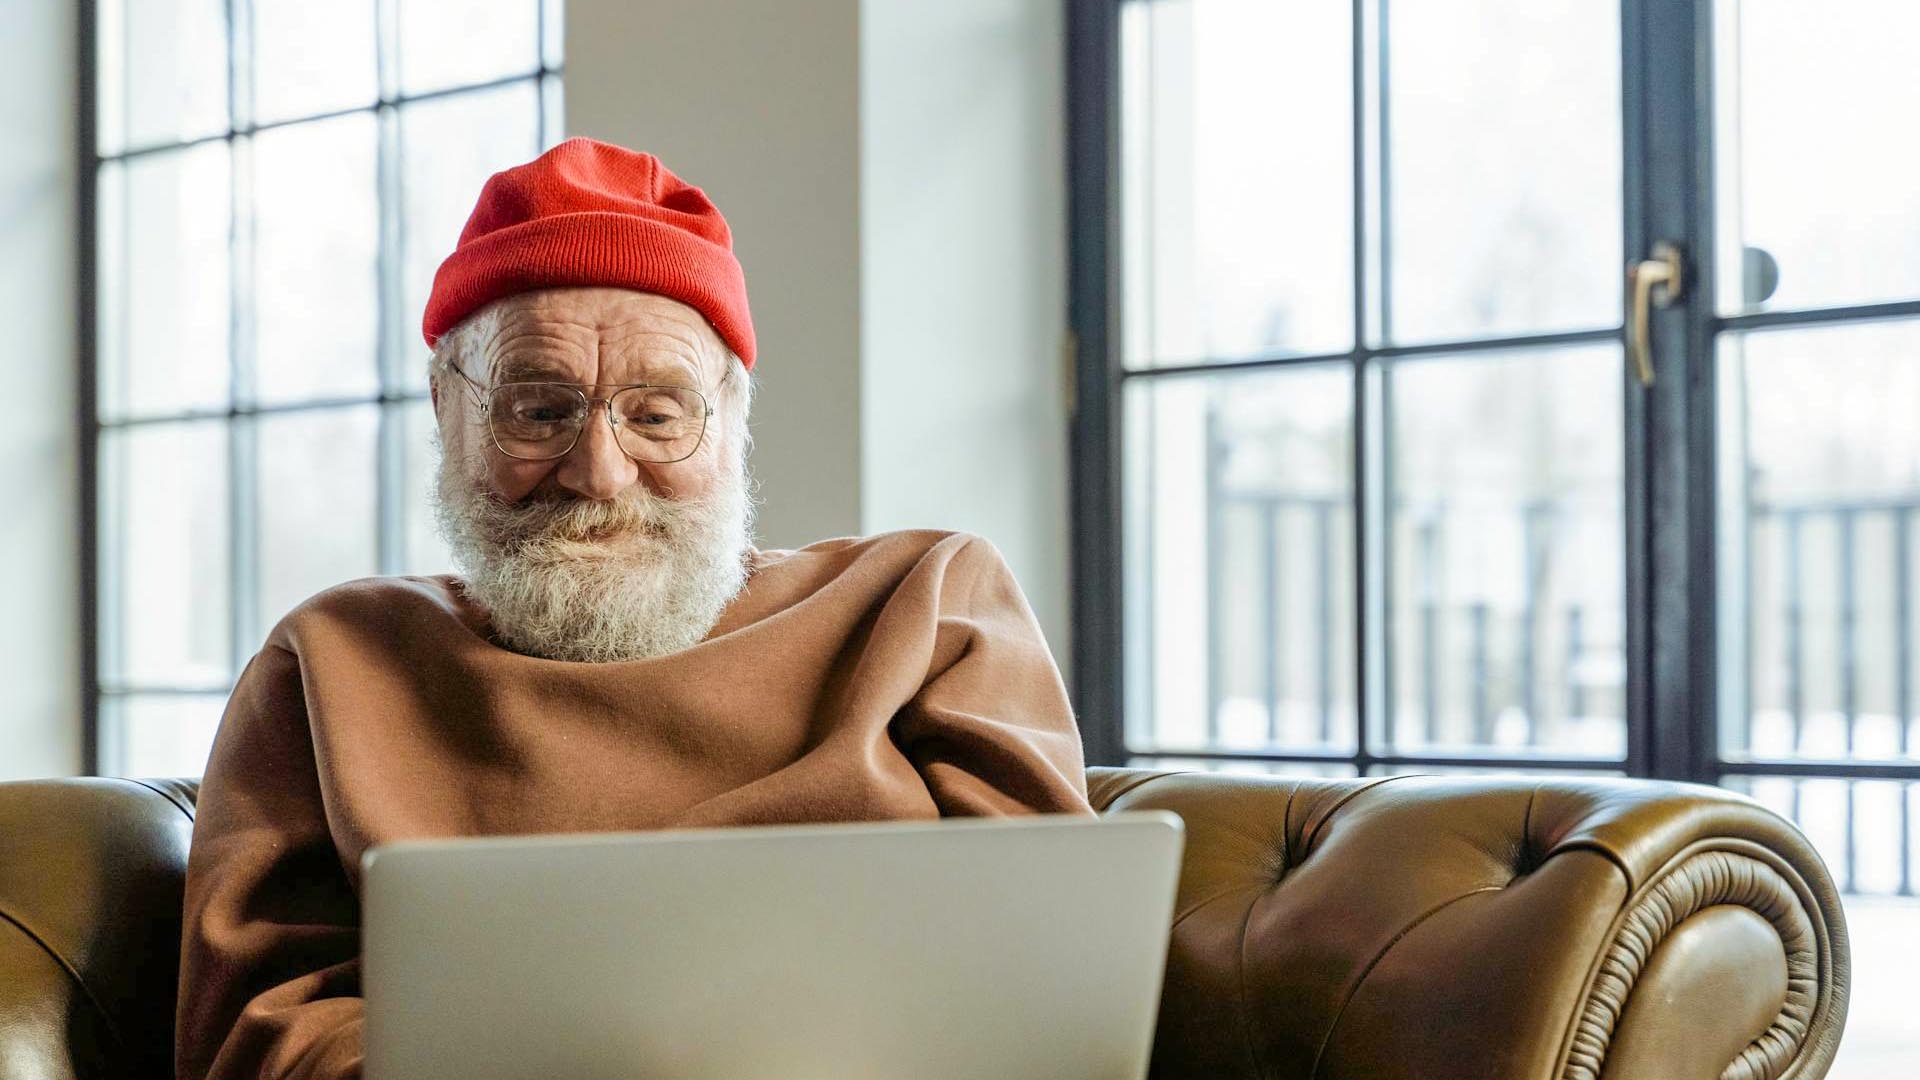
[{"x": 1008, "y": 948}]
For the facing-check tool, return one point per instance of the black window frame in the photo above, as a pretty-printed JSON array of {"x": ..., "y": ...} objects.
[
  {"x": 1672, "y": 697},
  {"x": 392, "y": 395}
]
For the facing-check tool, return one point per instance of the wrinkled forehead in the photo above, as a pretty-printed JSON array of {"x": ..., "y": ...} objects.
[{"x": 601, "y": 336}]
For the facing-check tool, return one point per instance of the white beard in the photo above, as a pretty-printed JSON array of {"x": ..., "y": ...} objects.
[{"x": 583, "y": 580}]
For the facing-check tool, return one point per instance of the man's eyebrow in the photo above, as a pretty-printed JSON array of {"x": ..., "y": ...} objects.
[
  {"x": 526, "y": 369},
  {"x": 514, "y": 369}
]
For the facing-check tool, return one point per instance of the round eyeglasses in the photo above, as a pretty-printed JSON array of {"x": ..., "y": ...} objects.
[{"x": 540, "y": 421}]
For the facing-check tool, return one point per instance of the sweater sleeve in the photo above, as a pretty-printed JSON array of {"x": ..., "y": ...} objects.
[
  {"x": 991, "y": 731},
  {"x": 269, "y": 964}
]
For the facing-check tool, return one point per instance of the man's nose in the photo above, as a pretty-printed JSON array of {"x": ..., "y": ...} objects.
[{"x": 596, "y": 467}]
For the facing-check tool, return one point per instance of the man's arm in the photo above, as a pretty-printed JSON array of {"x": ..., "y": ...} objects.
[
  {"x": 269, "y": 963},
  {"x": 991, "y": 731}
]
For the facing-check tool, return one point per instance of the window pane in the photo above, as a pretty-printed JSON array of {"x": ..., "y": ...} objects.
[
  {"x": 1820, "y": 538},
  {"x": 317, "y": 503},
  {"x": 426, "y": 552},
  {"x": 1502, "y": 169},
  {"x": 450, "y": 146},
  {"x": 1814, "y": 175},
  {"x": 1519, "y": 769},
  {"x": 316, "y": 253},
  {"x": 165, "y": 300},
  {"x": 164, "y": 562},
  {"x": 447, "y": 43},
  {"x": 1239, "y": 560},
  {"x": 1237, "y": 199},
  {"x": 158, "y": 735},
  {"x": 311, "y": 58},
  {"x": 1507, "y": 594},
  {"x": 1864, "y": 830},
  {"x": 1244, "y": 768},
  {"x": 162, "y": 71},
  {"x": 553, "y": 15}
]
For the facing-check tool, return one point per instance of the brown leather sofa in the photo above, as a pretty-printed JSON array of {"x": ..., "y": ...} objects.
[{"x": 1417, "y": 926}]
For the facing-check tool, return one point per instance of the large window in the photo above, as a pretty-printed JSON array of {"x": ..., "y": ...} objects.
[
  {"x": 1397, "y": 421},
  {"x": 1369, "y": 475},
  {"x": 273, "y": 183}
]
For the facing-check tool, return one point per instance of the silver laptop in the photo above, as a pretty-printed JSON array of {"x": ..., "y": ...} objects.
[{"x": 979, "y": 948}]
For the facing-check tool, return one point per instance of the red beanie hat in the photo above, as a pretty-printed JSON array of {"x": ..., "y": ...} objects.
[{"x": 591, "y": 213}]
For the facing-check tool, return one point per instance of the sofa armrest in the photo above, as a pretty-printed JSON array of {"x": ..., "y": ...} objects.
[
  {"x": 91, "y": 871},
  {"x": 1547, "y": 928}
]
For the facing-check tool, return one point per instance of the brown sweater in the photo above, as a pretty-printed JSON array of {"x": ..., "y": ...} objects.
[{"x": 900, "y": 676}]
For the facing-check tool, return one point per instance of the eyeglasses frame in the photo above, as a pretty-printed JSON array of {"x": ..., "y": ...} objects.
[{"x": 482, "y": 399}]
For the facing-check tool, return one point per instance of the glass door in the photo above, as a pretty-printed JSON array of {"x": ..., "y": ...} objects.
[
  {"x": 1817, "y": 365},
  {"x": 1513, "y": 385},
  {"x": 1371, "y": 384}
]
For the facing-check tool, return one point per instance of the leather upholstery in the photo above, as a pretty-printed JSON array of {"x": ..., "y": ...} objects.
[
  {"x": 1546, "y": 928},
  {"x": 1424, "y": 926},
  {"x": 90, "y": 895}
]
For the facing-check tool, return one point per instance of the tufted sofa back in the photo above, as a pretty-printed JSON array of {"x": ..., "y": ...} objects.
[
  {"x": 1551, "y": 929},
  {"x": 1556, "y": 928}
]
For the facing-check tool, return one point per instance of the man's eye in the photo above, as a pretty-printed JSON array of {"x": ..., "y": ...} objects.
[
  {"x": 654, "y": 410},
  {"x": 540, "y": 414}
]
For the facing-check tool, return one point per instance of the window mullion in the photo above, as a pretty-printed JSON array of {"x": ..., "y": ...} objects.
[
  {"x": 1092, "y": 105},
  {"x": 390, "y": 455},
  {"x": 1358, "y": 68},
  {"x": 1670, "y": 428},
  {"x": 87, "y": 342},
  {"x": 242, "y": 432}
]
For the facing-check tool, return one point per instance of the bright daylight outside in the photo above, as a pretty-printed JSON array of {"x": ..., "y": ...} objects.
[
  {"x": 1498, "y": 467},
  {"x": 274, "y": 194}
]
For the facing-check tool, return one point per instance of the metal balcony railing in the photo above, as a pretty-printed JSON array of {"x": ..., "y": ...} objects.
[{"x": 1468, "y": 665}]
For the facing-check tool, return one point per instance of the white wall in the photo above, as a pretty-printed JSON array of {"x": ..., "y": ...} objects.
[
  {"x": 39, "y": 532},
  {"x": 963, "y": 249},
  {"x": 894, "y": 174},
  {"x": 755, "y": 102}
]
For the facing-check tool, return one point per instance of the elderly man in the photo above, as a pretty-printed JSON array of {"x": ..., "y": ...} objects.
[{"x": 616, "y": 655}]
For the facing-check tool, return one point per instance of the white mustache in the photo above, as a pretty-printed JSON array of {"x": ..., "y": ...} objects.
[
  {"x": 589, "y": 520},
  {"x": 598, "y": 580}
]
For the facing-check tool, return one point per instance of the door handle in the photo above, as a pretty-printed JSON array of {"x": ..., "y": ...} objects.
[{"x": 1666, "y": 272}]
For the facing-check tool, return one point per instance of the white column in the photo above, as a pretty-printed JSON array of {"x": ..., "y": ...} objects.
[
  {"x": 894, "y": 173},
  {"x": 963, "y": 258},
  {"x": 40, "y": 531},
  {"x": 756, "y": 102}
]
